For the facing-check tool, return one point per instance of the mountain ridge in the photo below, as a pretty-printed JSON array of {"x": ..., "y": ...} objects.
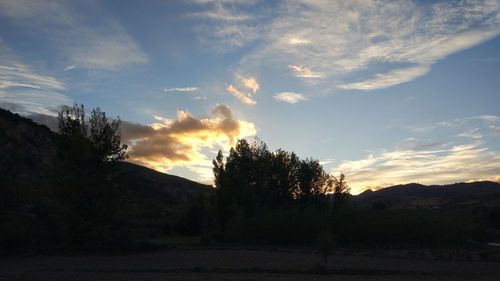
[{"x": 415, "y": 195}]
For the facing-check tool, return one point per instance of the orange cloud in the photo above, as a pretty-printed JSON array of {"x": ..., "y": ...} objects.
[
  {"x": 250, "y": 83},
  {"x": 244, "y": 98},
  {"x": 180, "y": 141}
]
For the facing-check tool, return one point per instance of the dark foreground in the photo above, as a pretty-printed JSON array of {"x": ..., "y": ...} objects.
[{"x": 224, "y": 264}]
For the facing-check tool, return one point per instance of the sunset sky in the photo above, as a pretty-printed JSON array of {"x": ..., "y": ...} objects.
[{"x": 386, "y": 92}]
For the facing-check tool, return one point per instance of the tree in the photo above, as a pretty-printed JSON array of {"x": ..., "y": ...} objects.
[
  {"x": 87, "y": 185},
  {"x": 313, "y": 180},
  {"x": 71, "y": 121},
  {"x": 105, "y": 137},
  {"x": 99, "y": 138},
  {"x": 341, "y": 190},
  {"x": 253, "y": 176}
]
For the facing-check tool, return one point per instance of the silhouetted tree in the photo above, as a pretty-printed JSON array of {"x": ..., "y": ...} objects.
[
  {"x": 87, "y": 186},
  {"x": 341, "y": 190},
  {"x": 313, "y": 180},
  {"x": 105, "y": 137},
  {"x": 100, "y": 134},
  {"x": 284, "y": 177},
  {"x": 253, "y": 176},
  {"x": 71, "y": 121}
]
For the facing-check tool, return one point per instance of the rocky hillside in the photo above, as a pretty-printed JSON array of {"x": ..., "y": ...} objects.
[{"x": 28, "y": 150}]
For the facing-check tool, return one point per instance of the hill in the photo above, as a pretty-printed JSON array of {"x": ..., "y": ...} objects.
[
  {"x": 30, "y": 153},
  {"x": 414, "y": 195}
]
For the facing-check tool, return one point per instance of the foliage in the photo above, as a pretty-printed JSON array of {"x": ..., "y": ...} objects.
[
  {"x": 252, "y": 177},
  {"x": 87, "y": 188},
  {"x": 341, "y": 190},
  {"x": 98, "y": 138},
  {"x": 105, "y": 137},
  {"x": 71, "y": 121}
]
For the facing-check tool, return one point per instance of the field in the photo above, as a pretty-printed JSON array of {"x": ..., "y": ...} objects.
[{"x": 260, "y": 264}]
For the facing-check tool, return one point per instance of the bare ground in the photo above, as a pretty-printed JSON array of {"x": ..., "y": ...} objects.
[{"x": 231, "y": 264}]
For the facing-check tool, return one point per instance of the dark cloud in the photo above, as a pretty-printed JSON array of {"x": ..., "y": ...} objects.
[
  {"x": 223, "y": 111},
  {"x": 47, "y": 120}
]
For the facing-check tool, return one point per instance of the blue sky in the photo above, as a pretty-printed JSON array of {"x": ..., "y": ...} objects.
[{"x": 385, "y": 92}]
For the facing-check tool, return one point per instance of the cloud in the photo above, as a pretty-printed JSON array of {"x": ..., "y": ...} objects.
[
  {"x": 357, "y": 45},
  {"x": 219, "y": 12},
  {"x": 242, "y": 97},
  {"x": 473, "y": 133},
  {"x": 69, "y": 67},
  {"x": 437, "y": 164},
  {"x": 487, "y": 118},
  {"x": 289, "y": 97},
  {"x": 304, "y": 72},
  {"x": 107, "y": 47},
  {"x": 48, "y": 120},
  {"x": 180, "y": 142},
  {"x": 186, "y": 90},
  {"x": 472, "y": 127},
  {"x": 391, "y": 78},
  {"x": 25, "y": 89},
  {"x": 249, "y": 83},
  {"x": 17, "y": 75},
  {"x": 182, "y": 89},
  {"x": 228, "y": 24},
  {"x": 223, "y": 111},
  {"x": 298, "y": 41}
]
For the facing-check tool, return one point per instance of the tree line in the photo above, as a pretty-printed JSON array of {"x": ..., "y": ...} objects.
[{"x": 253, "y": 177}]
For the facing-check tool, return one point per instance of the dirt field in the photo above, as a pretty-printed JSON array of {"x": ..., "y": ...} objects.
[{"x": 220, "y": 264}]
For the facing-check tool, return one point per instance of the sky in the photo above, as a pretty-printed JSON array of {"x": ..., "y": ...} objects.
[{"x": 386, "y": 92}]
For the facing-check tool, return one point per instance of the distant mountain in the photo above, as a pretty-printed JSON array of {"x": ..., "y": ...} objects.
[
  {"x": 414, "y": 195},
  {"x": 29, "y": 153}
]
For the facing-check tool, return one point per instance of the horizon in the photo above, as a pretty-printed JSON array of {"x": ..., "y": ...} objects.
[{"x": 386, "y": 93}]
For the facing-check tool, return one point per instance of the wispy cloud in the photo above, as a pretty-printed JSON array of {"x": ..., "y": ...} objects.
[
  {"x": 242, "y": 97},
  {"x": 361, "y": 45},
  {"x": 190, "y": 91},
  {"x": 473, "y": 126},
  {"x": 26, "y": 90},
  {"x": 249, "y": 83},
  {"x": 433, "y": 165},
  {"x": 182, "y": 89},
  {"x": 229, "y": 25},
  {"x": 289, "y": 97},
  {"x": 218, "y": 11},
  {"x": 17, "y": 75},
  {"x": 180, "y": 141},
  {"x": 305, "y": 72},
  {"x": 385, "y": 80},
  {"x": 81, "y": 45},
  {"x": 473, "y": 133}
]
